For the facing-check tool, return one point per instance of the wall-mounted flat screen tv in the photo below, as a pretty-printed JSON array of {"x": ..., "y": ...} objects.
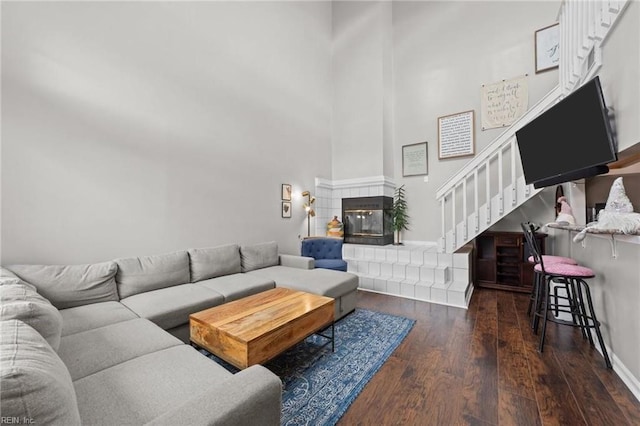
[{"x": 569, "y": 141}]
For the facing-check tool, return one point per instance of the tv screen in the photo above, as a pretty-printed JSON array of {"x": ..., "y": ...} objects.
[{"x": 571, "y": 140}]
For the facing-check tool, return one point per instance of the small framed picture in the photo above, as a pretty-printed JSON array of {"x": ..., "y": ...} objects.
[
  {"x": 286, "y": 209},
  {"x": 547, "y": 44},
  {"x": 286, "y": 192},
  {"x": 414, "y": 159}
]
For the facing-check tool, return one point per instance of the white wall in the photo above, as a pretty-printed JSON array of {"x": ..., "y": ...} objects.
[
  {"x": 616, "y": 294},
  {"x": 620, "y": 76},
  {"x": 616, "y": 287},
  {"x": 133, "y": 128},
  {"x": 361, "y": 88},
  {"x": 443, "y": 53}
]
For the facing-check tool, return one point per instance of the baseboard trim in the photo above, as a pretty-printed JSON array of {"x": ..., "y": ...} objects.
[
  {"x": 413, "y": 298},
  {"x": 632, "y": 383}
]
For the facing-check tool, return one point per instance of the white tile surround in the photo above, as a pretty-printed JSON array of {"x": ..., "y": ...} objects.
[
  {"x": 329, "y": 195},
  {"x": 413, "y": 271}
]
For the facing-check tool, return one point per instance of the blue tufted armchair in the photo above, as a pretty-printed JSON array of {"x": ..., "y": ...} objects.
[{"x": 327, "y": 252}]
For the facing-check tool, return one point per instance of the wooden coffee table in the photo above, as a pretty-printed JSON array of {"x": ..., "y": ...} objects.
[{"x": 257, "y": 328}]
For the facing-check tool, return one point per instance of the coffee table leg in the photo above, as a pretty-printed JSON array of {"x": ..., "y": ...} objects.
[{"x": 333, "y": 337}]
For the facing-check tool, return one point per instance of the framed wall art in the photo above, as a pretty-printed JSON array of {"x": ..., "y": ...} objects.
[
  {"x": 286, "y": 209},
  {"x": 456, "y": 135},
  {"x": 503, "y": 102},
  {"x": 415, "y": 159},
  {"x": 286, "y": 192},
  {"x": 547, "y": 45}
]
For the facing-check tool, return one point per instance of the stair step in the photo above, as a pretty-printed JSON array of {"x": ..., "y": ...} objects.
[{"x": 414, "y": 272}]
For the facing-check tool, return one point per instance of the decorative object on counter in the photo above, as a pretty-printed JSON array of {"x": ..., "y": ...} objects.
[
  {"x": 566, "y": 214},
  {"x": 310, "y": 212},
  {"x": 617, "y": 215},
  {"x": 335, "y": 228},
  {"x": 400, "y": 214},
  {"x": 559, "y": 193}
]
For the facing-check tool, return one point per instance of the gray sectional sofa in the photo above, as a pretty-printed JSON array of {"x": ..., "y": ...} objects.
[{"x": 105, "y": 343}]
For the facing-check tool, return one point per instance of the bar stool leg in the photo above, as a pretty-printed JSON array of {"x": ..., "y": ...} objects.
[
  {"x": 534, "y": 290},
  {"x": 596, "y": 323},
  {"x": 583, "y": 307},
  {"x": 534, "y": 298},
  {"x": 547, "y": 284},
  {"x": 540, "y": 299},
  {"x": 577, "y": 311}
]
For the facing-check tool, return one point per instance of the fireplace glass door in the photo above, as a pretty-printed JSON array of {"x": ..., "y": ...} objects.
[
  {"x": 364, "y": 223},
  {"x": 367, "y": 220}
]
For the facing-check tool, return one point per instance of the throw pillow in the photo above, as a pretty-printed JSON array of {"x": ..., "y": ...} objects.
[
  {"x": 20, "y": 301},
  {"x": 67, "y": 286},
  {"x": 259, "y": 256},
  {"x": 36, "y": 385},
  {"x": 214, "y": 262},
  {"x": 140, "y": 274},
  {"x": 5, "y": 273}
]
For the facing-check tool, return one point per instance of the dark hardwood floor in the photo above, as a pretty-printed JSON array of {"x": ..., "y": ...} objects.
[{"x": 481, "y": 367}]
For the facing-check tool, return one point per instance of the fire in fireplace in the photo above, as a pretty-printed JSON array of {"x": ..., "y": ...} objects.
[{"x": 368, "y": 220}]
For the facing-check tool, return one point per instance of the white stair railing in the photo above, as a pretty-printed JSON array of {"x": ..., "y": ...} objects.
[
  {"x": 584, "y": 25},
  {"x": 583, "y": 28},
  {"x": 495, "y": 175}
]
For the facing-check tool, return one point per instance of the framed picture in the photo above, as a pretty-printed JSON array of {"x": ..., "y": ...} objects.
[
  {"x": 547, "y": 43},
  {"x": 286, "y": 192},
  {"x": 456, "y": 135},
  {"x": 414, "y": 159},
  {"x": 286, "y": 209}
]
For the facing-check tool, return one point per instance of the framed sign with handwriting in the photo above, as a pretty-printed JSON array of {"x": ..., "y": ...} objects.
[{"x": 547, "y": 41}]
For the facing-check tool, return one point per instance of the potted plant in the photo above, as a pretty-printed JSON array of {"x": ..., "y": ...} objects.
[{"x": 399, "y": 214}]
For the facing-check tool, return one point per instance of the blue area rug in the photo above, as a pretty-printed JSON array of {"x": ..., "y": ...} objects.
[{"x": 319, "y": 387}]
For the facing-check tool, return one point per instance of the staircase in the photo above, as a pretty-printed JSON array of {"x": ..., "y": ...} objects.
[
  {"x": 492, "y": 185},
  {"x": 413, "y": 271}
]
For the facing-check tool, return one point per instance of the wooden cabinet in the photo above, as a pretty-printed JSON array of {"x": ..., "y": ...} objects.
[{"x": 501, "y": 261}]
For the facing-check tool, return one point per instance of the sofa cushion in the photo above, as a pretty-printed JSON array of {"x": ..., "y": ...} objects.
[
  {"x": 139, "y": 390},
  {"x": 13, "y": 281},
  {"x": 87, "y": 317},
  {"x": 5, "y": 273},
  {"x": 214, "y": 262},
  {"x": 67, "y": 286},
  {"x": 335, "y": 264},
  {"x": 139, "y": 274},
  {"x": 236, "y": 286},
  {"x": 170, "y": 307},
  {"x": 35, "y": 383},
  {"x": 20, "y": 301},
  {"x": 258, "y": 256},
  {"x": 94, "y": 350},
  {"x": 324, "y": 282}
]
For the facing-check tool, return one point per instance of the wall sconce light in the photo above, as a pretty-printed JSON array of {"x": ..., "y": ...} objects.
[{"x": 310, "y": 212}]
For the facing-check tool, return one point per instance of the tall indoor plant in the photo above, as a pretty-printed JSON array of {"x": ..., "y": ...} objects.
[{"x": 399, "y": 214}]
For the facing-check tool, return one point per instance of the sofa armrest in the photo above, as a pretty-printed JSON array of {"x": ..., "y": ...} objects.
[
  {"x": 299, "y": 262},
  {"x": 251, "y": 397}
]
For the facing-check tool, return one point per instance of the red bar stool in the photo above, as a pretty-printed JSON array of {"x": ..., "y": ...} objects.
[{"x": 580, "y": 304}]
